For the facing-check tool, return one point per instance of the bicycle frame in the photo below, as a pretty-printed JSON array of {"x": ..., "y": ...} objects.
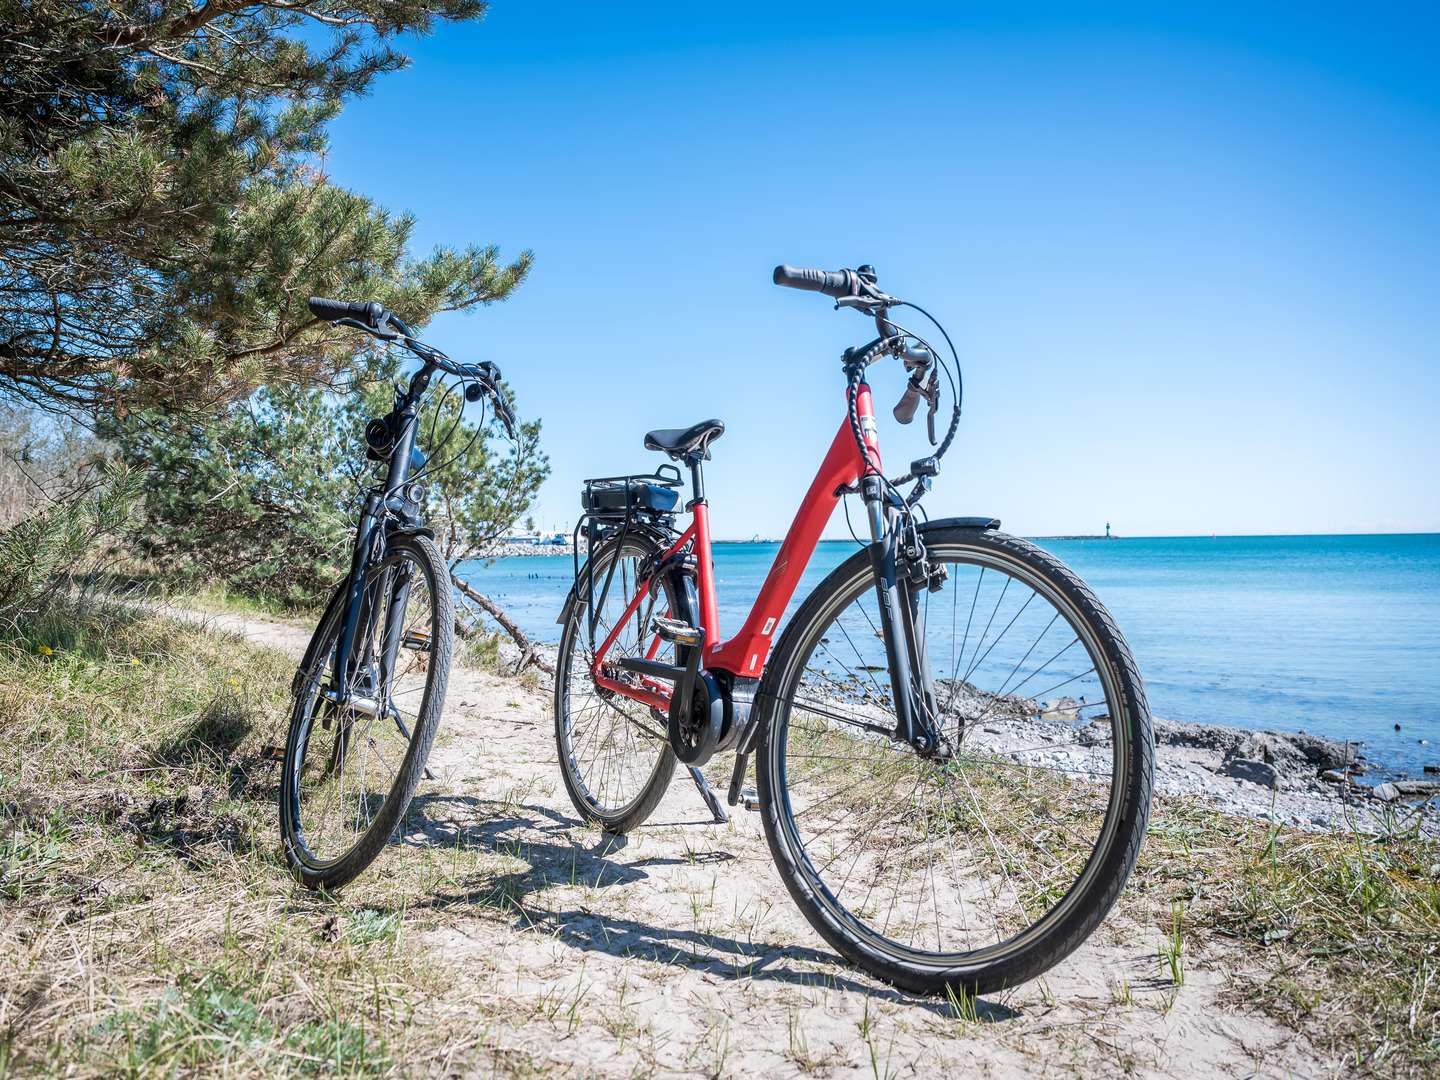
[
  {"x": 745, "y": 654},
  {"x": 385, "y": 509}
]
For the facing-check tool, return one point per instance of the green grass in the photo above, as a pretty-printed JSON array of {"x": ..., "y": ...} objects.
[
  {"x": 223, "y": 599},
  {"x": 1339, "y": 932},
  {"x": 481, "y": 652}
]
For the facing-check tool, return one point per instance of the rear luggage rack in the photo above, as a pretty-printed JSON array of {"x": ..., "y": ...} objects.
[{"x": 616, "y": 504}]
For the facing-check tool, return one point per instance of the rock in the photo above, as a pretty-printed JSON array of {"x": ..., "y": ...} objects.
[
  {"x": 1386, "y": 792},
  {"x": 1285, "y": 751},
  {"x": 1418, "y": 787},
  {"x": 1334, "y": 776},
  {"x": 1065, "y": 708},
  {"x": 1252, "y": 771},
  {"x": 1432, "y": 768}
]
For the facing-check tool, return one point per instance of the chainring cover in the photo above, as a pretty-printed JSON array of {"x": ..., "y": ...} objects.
[{"x": 695, "y": 730}]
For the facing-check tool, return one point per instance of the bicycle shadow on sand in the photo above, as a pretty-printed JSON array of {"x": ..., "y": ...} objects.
[{"x": 538, "y": 836}]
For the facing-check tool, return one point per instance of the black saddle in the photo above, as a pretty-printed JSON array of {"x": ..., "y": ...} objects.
[{"x": 678, "y": 442}]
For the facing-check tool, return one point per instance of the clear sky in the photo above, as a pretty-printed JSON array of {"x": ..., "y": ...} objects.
[{"x": 1190, "y": 255}]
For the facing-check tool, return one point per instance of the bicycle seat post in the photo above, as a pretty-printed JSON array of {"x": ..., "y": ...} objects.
[{"x": 697, "y": 479}]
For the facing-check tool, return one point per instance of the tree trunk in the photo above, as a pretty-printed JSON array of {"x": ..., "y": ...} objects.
[{"x": 528, "y": 654}]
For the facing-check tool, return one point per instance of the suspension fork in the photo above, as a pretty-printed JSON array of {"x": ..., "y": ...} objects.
[
  {"x": 365, "y": 535},
  {"x": 905, "y": 655},
  {"x": 399, "y": 589}
]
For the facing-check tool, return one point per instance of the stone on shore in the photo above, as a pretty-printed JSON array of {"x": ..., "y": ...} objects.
[
  {"x": 1289, "y": 752},
  {"x": 1253, "y": 771}
]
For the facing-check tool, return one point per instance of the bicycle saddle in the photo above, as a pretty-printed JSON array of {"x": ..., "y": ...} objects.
[{"x": 678, "y": 442}]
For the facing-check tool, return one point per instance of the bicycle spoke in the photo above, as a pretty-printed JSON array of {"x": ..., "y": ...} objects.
[{"x": 967, "y": 850}]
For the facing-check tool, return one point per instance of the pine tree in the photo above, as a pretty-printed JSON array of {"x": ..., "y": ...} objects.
[
  {"x": 163, "y": 215},
  {"x": 263, "y": 497}
]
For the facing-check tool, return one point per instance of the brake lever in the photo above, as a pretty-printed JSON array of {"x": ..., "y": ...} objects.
[
  {"x": 486, "y": 378},
  {"x": 356, "y": 324},
  {"x": 503, "y": 411},
  {"x": 932, "y": 396}
]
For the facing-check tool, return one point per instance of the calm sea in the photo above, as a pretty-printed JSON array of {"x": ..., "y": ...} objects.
[{"x": 1336, "y": 635}]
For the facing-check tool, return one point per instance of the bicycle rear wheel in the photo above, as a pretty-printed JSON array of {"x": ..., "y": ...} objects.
[
  {"x": 350, "y": 773},
  {"x": 983, "y": 865},
  {"x": 615, "y": 754}
]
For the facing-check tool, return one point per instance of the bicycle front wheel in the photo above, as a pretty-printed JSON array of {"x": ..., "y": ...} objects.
[
  {"x": 979, "y": 866},
  {"x": 350, "y": 772}
]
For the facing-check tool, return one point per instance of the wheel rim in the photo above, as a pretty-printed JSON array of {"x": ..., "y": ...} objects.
[
  {"x": 954, "y": 864},
  {"x": 343, "y": 776},
  {"x": 610, "y": 745}
]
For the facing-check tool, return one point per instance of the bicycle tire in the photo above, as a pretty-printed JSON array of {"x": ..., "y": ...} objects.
[
  {"x": 1053, "y": 940},
  {"x": 621, "y": 819},
  {"x": 333, "y": 873}
]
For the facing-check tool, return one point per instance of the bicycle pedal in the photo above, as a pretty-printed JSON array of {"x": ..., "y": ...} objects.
[
  {"x": 751, "y": 803},
  {"x": 272, "y": 753},
  {"x": 677, "y": 632}
]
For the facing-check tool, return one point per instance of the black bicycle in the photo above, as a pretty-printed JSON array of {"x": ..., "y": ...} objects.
[{"x": 369, "y": 691}]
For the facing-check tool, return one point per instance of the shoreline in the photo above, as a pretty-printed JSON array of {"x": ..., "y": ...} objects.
[{"x": 1307, "y": 782}]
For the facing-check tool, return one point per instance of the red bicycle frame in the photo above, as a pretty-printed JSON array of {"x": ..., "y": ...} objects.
[{"x": 745, "y": 654}]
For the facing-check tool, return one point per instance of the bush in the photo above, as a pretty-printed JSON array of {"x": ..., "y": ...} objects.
[
  {"x": 41, "y": 554},
  {"x": 263, "y": 499}
]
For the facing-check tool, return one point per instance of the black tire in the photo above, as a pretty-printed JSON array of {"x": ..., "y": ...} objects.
[
  {"x": 1099, "y": 879},
  {"x": 343, "y": 860},
  {"x": 645, "y": 776}
]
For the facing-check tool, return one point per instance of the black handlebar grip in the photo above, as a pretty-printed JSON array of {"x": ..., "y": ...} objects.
[
  {"x": 908, "y": 403},
  {"x": 332, "y": 310},
  {"x": 833, "y": 283}
]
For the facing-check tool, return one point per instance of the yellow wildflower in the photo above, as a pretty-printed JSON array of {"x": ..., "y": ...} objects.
[{"x": 46, "y": 650}]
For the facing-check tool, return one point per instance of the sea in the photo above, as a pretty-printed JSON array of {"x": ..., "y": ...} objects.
[{"x": 1333, "y": 635}]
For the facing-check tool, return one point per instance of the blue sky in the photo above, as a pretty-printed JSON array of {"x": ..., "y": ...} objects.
[{"x": 1189, "y": 255}]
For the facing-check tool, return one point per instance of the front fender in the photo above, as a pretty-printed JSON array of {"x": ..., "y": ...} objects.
[{"x": 962, "y": 523}]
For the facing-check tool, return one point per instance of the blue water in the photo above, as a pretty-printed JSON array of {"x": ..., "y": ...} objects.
[{"x": 1335, "y": 635}]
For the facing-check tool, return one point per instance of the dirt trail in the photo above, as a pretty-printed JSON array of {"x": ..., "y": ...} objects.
[{"x": 678, "y": 951}]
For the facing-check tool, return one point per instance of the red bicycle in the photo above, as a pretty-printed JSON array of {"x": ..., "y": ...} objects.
[{"x": 953, "y": 751}]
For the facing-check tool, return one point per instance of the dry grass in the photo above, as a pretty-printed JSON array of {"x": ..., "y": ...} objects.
[{"x": 147, "y": 925}]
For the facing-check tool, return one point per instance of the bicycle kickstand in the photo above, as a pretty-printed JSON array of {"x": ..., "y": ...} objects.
[{"x": 707, "y": 793}]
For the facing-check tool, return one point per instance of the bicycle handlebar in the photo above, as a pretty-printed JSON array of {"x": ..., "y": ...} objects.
[
  {"x": 833, "y": 283},
  {"x": 374, "y": 319},
  {"x": 367, "y": 312}
]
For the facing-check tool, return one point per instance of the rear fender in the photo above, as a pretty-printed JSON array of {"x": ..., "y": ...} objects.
[{"x": 660, "y": 538}]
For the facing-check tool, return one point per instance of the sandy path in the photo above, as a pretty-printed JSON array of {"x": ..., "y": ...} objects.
[{"x": 679, "y": 951}]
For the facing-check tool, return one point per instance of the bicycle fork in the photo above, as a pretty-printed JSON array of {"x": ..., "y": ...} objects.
[{"x": 911, "y": 685}]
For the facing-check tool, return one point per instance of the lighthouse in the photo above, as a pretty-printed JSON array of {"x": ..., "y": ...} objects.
[{"x": 1107, "y": 531}]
